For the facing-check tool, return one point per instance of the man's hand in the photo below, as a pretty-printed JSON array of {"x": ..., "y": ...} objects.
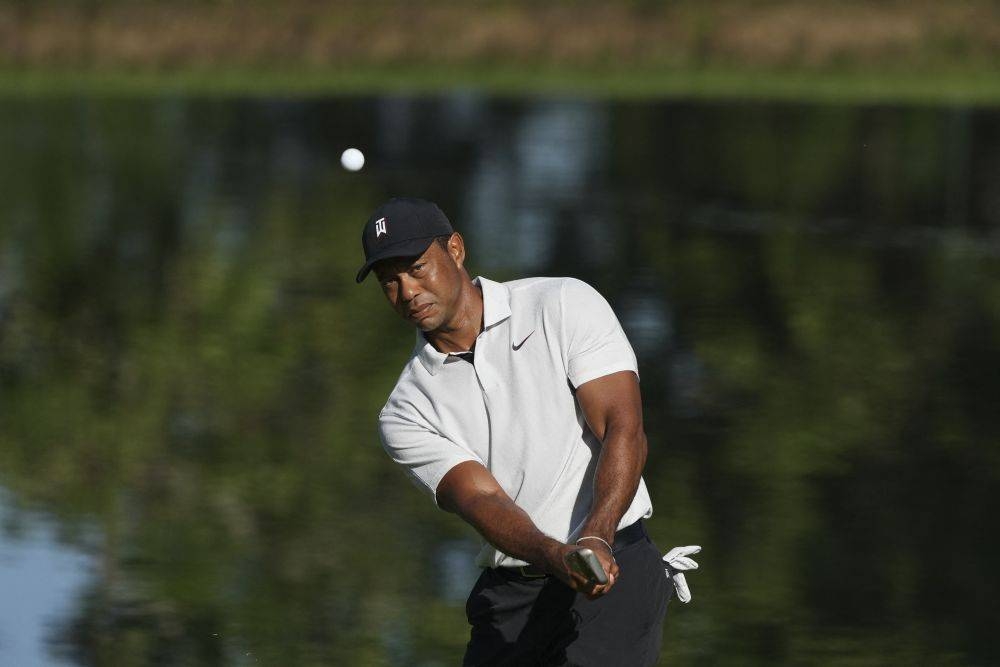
[
  {"x": 607, "y": 559},
  {"x": 556, "y": 564}
]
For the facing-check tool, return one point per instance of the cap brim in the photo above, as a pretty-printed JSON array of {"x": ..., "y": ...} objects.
[{"x": 408, "y": 248}]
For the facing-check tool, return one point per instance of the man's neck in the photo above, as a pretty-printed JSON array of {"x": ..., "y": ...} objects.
[{"x": 459, "y": 335}]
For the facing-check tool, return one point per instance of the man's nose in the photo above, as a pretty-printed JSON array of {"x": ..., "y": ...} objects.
[{"x": 408, "y": 287}]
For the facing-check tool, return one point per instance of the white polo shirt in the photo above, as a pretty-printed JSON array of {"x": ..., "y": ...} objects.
[{"x": 514, "y": 409}]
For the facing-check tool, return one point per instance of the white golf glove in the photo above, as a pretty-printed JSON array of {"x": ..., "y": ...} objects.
[{"x": 676, "y": 562}]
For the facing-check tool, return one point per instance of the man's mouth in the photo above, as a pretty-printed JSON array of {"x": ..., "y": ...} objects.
[{"x": 417, "y": 313}]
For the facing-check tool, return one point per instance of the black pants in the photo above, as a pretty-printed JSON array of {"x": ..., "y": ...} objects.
[{"x": 517, "y": 620}]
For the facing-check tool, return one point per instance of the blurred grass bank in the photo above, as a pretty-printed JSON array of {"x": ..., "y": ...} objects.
[{"x": 876, "y": 50}]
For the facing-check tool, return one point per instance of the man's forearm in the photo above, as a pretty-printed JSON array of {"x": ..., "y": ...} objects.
[
  {"x": 507, "y": 527},
  {"x": 619, "y": 468}
]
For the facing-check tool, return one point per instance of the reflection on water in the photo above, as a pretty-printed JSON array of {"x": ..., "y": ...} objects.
[
  {"x": 189, "y": 377},
  {"x": 40, "y": 577}
]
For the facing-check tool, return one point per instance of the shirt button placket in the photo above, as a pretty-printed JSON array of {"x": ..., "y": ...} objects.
[
  {"x": 485, "y": 375},
  {"x": 483, "y": 383}
]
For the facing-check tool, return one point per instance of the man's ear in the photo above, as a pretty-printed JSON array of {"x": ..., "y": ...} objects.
[{"x": 456, "y": 248}]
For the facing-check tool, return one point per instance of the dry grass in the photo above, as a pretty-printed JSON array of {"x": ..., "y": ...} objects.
[{"x": 816, "y": 34}]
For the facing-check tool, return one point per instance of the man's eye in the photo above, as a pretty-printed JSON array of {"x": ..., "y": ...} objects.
[{"x": 416, "y": 268}]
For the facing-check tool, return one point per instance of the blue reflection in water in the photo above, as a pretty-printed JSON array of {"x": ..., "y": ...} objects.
[
  {"x": 523, "y": 181},
  {"x": 457, "y": 569},
  {"x": 43, "y": 576}
]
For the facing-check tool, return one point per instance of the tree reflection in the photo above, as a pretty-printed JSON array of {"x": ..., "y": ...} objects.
[{"x": 185, "y": 360}]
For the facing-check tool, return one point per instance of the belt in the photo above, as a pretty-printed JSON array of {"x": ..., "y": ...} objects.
[{"x": 623, "y": 538}]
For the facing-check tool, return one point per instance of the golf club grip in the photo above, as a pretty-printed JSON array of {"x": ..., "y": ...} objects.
[{"x": 585, "y": 563}]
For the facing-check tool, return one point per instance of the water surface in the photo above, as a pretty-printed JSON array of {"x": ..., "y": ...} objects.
[{"x": 189, "y": 377}]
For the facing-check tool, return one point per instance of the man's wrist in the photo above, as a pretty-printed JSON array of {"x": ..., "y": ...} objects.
[
  {"x": 593, "y": 541},
  {"x": 605, "y": 532}
]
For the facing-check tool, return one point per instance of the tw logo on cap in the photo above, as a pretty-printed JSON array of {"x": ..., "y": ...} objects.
[{"x": 380, "y": 227}]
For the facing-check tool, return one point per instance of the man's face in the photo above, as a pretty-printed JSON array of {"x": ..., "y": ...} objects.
[{"x": 425, "y": 290}]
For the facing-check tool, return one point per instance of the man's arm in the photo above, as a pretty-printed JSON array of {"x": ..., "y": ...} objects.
[
  {"x": 612, "y": 407},
  {"x": 470, "y": 491}
]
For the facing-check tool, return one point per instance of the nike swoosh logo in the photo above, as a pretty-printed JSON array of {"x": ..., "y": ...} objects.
[{"x": 518, "y": 346}]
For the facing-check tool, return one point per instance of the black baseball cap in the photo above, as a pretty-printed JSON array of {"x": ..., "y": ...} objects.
[{"x": 401, "y": 227}]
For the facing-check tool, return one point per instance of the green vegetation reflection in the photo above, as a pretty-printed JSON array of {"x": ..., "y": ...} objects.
[{"x": 187, "y": 362}]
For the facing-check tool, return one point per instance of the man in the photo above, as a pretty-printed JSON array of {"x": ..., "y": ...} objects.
[{"x": 520, "y": 411}]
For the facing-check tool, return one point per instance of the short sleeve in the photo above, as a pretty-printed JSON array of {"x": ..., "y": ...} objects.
[
  {"x": 426, "y": 455},
  {"x": 594, "y": 342}
]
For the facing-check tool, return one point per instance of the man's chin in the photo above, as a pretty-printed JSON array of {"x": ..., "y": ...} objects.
[{"x": 427, "y": 325}]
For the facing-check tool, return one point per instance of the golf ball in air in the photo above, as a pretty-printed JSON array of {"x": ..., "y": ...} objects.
[{"x": 352, "y": 159}]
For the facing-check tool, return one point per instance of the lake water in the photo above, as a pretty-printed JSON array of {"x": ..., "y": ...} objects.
[{"x": 189, "y": 377}]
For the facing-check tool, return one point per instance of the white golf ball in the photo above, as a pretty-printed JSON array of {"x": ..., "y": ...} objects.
[{"x": 352, "y": 159}]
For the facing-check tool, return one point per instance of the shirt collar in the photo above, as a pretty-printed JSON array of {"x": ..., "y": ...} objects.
[
  {"x": 496, "y": 309},
  {"x": 496, "y": 302}
]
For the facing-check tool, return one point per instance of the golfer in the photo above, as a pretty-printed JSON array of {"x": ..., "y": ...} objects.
[{"x": 519, "y": 410}]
